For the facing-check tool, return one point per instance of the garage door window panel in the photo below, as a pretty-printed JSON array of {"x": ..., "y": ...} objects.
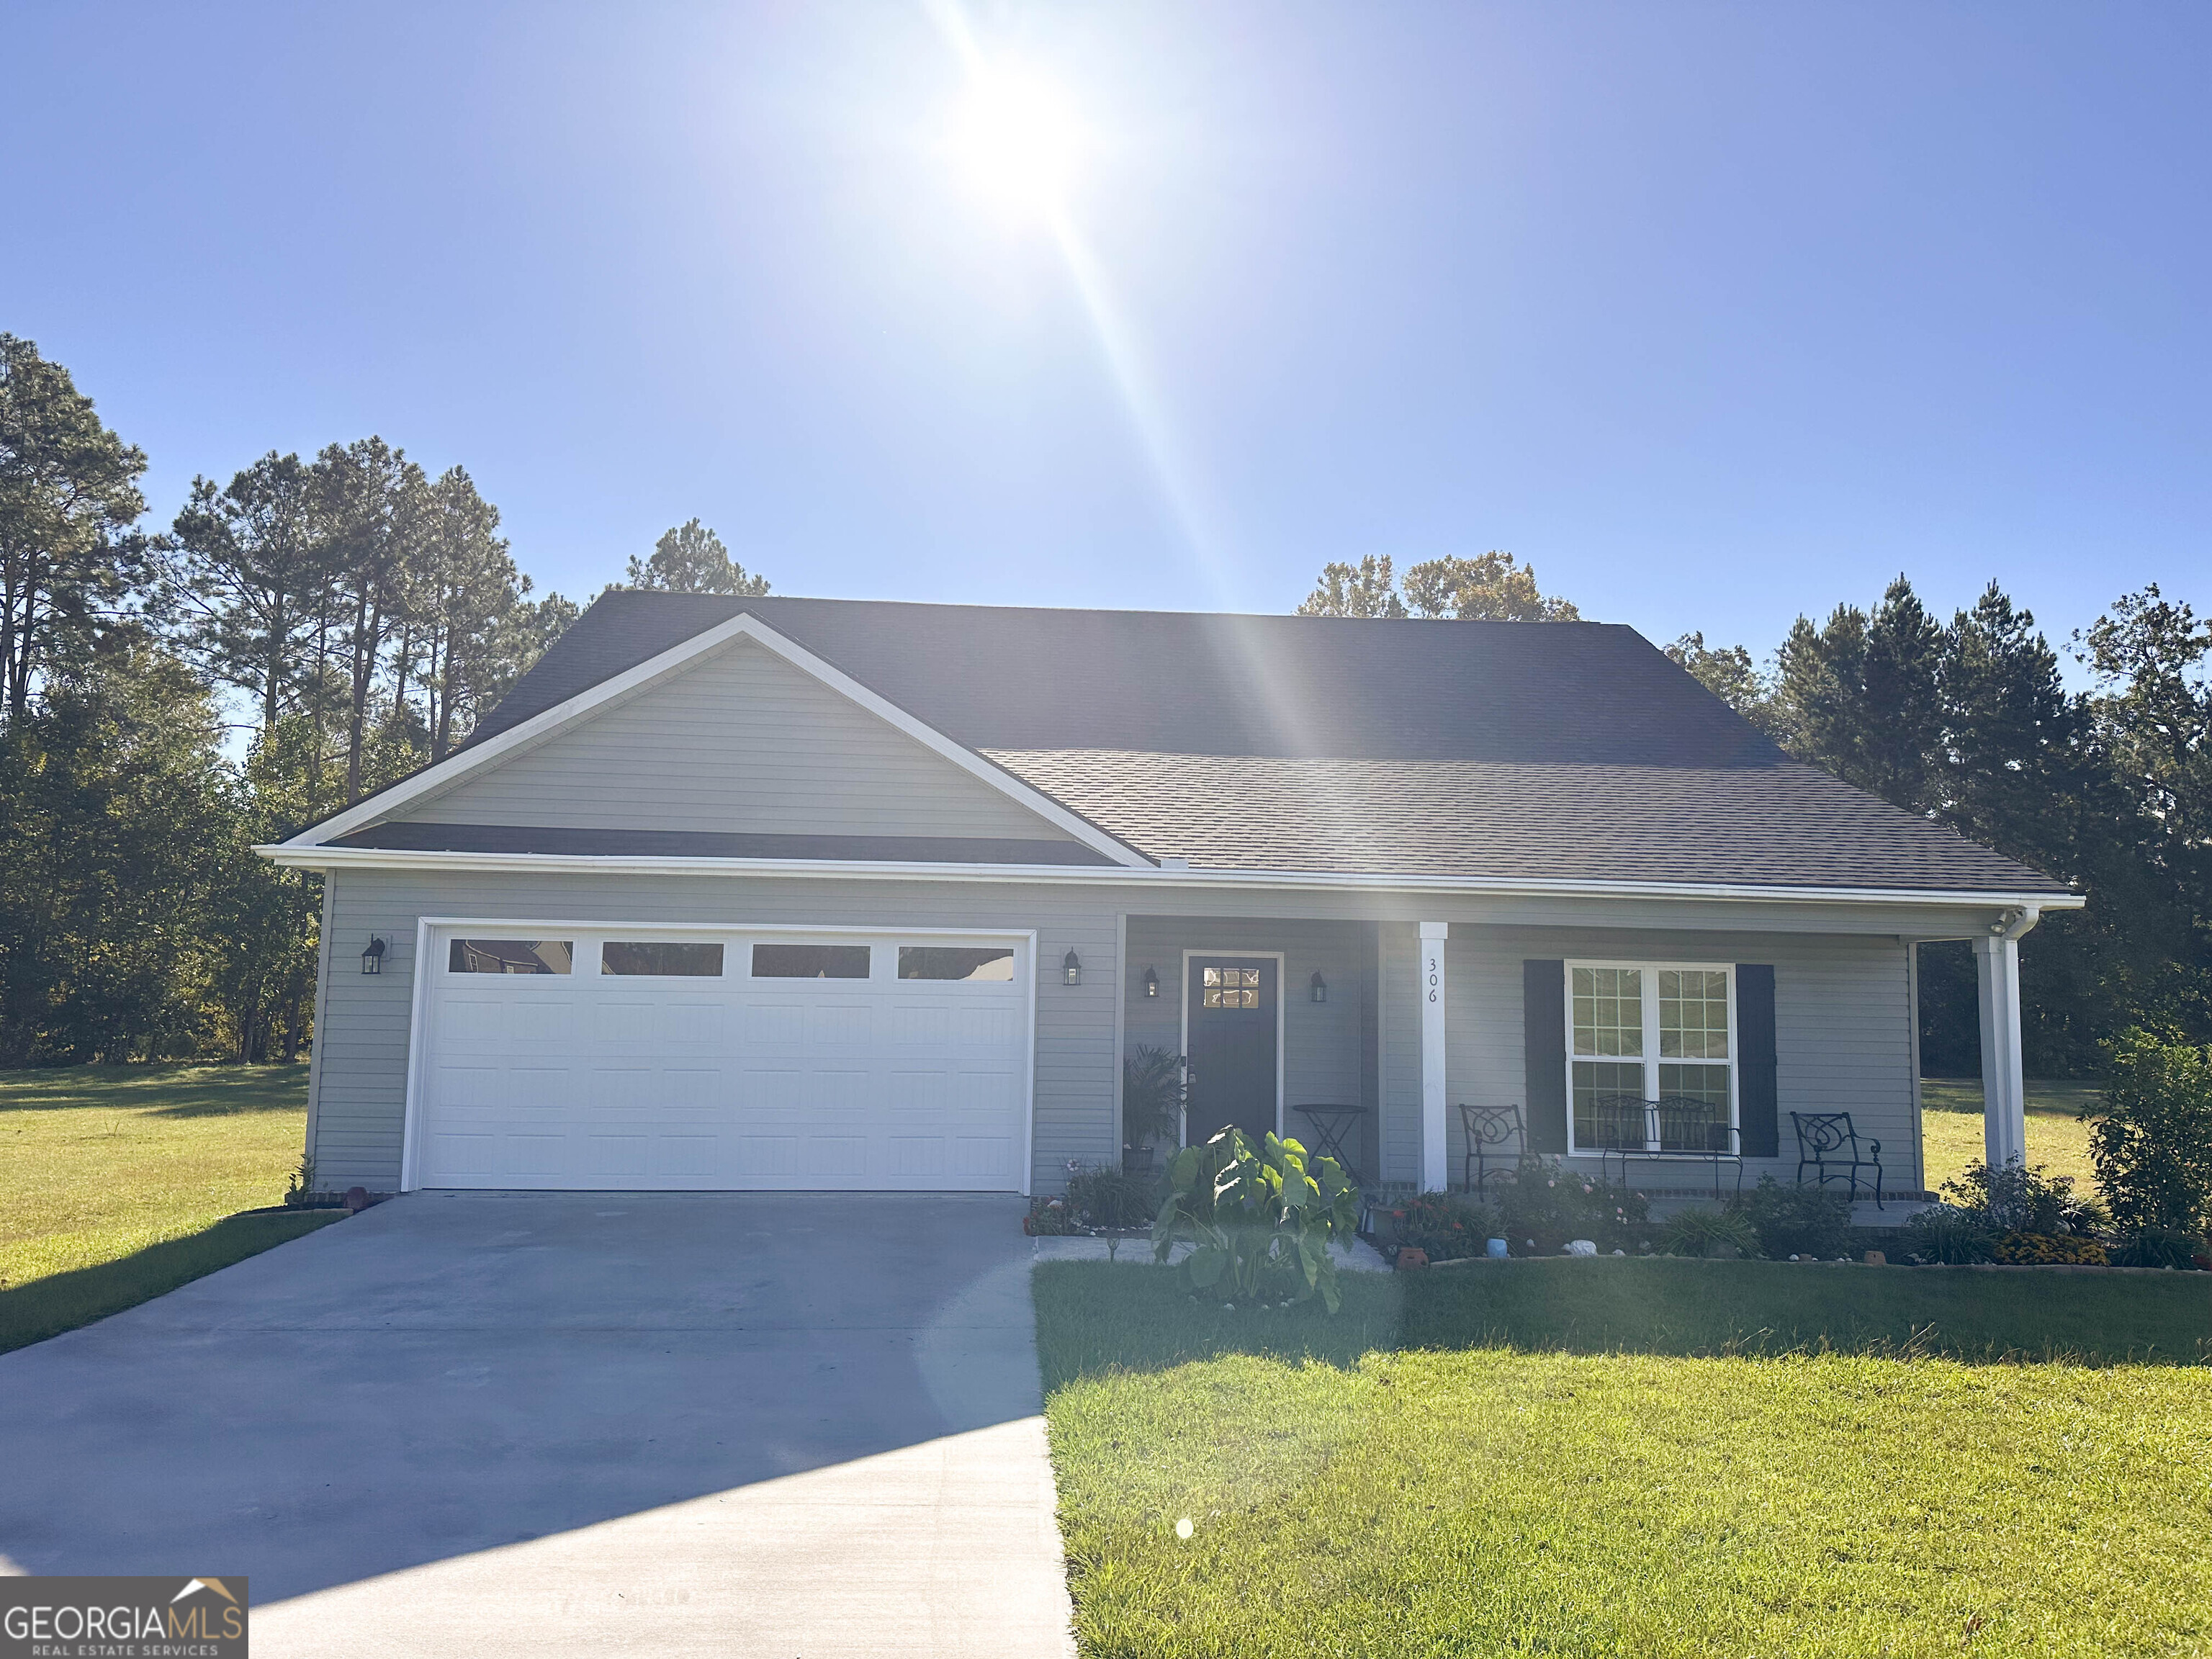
[
  {"x": 811, "y": 961},
  {"x": 956, "y": 963},
  {"x": 511, "y": 956},
  {"x": 658, "y": 960}
]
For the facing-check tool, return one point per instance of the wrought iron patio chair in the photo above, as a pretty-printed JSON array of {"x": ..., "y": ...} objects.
[
  {"x": 1828, "y": 1145},
  {"x": 1487, "y": 1129}
]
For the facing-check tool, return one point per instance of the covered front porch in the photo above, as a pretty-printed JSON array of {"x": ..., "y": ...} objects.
[{"x": 1387, "y": 1038}]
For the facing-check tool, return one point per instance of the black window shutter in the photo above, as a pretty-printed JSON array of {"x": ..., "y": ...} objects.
[
  {"x": 1544, "y": 1044},
  {"x": 1758, "y": 1100}
]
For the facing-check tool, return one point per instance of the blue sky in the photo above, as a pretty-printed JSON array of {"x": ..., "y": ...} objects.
[{"x": 1714, "y": 313}]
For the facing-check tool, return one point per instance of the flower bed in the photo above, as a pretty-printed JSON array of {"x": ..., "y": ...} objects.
[{"x": 2049, "y": 1250}]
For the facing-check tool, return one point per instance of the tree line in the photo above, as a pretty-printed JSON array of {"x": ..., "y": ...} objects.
[
  {"x": 315, "y": 627},
  {"x": 296, "y": 638},
  {"x": 1970, "y": 722}
]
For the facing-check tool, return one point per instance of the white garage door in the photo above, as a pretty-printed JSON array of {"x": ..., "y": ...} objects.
[{"x": 635, "y": 1057}]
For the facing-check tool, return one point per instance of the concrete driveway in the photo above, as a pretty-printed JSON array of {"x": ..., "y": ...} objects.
[{"x": 774, "y": 1424}]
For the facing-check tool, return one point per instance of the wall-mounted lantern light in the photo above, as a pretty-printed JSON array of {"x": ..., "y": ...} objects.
[
  {"x": 1319, "y": 986},
  {"x": 1151, "y": 984},
  {"x": 1071, "y": 967},
  {"x": 372, "y": 959}
]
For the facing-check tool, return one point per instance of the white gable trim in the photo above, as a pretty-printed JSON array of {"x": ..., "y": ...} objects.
[{"x": 543, "y": 727}]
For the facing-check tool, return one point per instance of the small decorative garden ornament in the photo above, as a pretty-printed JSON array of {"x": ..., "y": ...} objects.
[
  {"x": 1497, "y": 1251},
  {"x": 1409, "y": 1258}
]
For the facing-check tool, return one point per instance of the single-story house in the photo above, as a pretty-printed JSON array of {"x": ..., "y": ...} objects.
[{"x": 744, "y": 892}]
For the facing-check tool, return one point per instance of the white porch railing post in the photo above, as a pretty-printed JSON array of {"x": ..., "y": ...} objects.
[
  {"x": 1435, "y": 1176},
  {"x": 2004, "y": 1089}
]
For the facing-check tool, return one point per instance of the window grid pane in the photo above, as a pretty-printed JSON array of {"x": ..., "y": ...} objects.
[
  {"x": 1608, "y": 1012},
  {"x": 1693, "y": 1014},
  {"x": 1707, "y": 1083},
  {"x": 1230, "y": 987},
  {"x": 1604, "y": 1113}
]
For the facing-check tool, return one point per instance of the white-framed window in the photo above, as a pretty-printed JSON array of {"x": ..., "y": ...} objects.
[{"x": 1647, "y": 1032}]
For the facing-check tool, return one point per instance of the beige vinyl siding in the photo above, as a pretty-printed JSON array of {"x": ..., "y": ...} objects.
[
  {"x": 743, "y": 743},
  {"x": 1842, "y": 1011}
]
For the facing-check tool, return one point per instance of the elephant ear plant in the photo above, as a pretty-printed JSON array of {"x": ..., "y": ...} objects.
[{"x": 1259, "y": 1220}]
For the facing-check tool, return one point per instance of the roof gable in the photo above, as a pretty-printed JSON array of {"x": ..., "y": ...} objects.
[{"x": 731, "y": 736}]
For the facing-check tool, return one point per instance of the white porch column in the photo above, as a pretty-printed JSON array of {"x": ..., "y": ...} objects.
[
  {"x": 2004, "y": 1090},
  {"x": 1436, "y": 1176}
]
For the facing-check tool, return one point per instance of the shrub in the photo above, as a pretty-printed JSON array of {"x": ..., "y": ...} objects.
[
  {"x": 1613, "y": 1214},
  {"x": 1049, "y": 1217},
  {"x": 1702, "y": 1230},
  {"x": 1946, "y": 1233},
  {"x": 2019, "y": 1199},
  {"x": 2158, "y": 1246},
  {"x": 2049, "y": 1249},
  {"x": 1449, "y": 1226},
  {"x": 1259, "y": 1219},
  {"x": 300, "y": 1191},
  {"x": 2151, "y": 1139},
  {"x": 1796, "y": 1221},
  {"x": 1107, "y": 1197},
  {"x": 1542, "y": 1206},
  {"x": 1152, "y": 1096}
]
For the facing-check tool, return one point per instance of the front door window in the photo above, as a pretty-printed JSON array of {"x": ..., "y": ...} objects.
[{"x": 1230, "y": 987}]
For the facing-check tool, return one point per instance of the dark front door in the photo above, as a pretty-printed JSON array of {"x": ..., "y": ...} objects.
[{"x": 1232, "y": 1045}]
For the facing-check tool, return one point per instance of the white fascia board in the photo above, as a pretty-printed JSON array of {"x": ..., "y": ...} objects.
[
  {"x": 553, "y": 722},
  {"x": 371, "y": 857}
]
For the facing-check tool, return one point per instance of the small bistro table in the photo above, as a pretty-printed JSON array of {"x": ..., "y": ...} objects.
[{"x": 1331, "y": 1124}]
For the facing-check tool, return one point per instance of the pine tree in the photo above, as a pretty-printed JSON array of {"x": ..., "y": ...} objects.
[
  {"x": 690, "y": 558},
  {"x": 68, "y": 494},
  {"x": 1369, "y": 588}
]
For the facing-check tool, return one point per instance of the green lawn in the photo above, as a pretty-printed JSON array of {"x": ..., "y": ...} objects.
[
  {"x": 1951, "y": 1127},
  {"x": 115, "y": 1181},
  {"x": 1635, "y": 1457}
]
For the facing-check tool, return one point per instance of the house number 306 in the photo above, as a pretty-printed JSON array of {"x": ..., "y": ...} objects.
[{"x": 1432, "y": 979}]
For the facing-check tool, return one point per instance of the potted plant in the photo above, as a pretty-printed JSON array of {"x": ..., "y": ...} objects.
[{"x": 1152, "y": 1104}]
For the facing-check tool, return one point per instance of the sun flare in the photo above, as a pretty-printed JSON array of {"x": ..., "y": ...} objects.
[{"x": 1018, "y": 137}]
